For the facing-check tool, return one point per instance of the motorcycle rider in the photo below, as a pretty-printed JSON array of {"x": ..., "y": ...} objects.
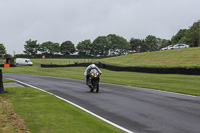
[{"x": 87, "y": 72}]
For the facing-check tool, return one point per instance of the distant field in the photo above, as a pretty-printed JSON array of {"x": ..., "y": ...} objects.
[{"x": 188, "y": 57}]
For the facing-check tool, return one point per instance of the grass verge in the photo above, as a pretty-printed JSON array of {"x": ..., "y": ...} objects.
[
  {"x": 186, "y": 84},
  {"x": 45, "y": 113},
  {"x": 6, "y": 125},
  {"x": 7, "y": 80}
]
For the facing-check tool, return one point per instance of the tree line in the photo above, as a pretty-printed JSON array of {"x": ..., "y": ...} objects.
[
  {"x": 110, "y": 45},
  {"x": 190, "y": 36},
  {"x": 32, "y": 48},
  {"x": 102, "y": 46}
]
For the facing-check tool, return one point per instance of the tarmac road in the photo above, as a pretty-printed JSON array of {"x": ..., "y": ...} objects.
[{"x": 136, "y": 109}]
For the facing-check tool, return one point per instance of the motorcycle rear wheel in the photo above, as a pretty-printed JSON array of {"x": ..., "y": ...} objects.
[
  {"x": 97, "y": 87},
  {"x": 91, "y": 90}
]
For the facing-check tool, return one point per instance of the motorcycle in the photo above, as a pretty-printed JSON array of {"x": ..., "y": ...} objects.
[{"x": 94, "y": 80}]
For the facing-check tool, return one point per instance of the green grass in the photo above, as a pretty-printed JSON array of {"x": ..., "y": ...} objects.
[
  {"x": 67, "y": 72},
  {"x": 44, "y": 113},
  {"x": 7, "y": 80},
  {"x": 188, "y": 57},
  {"x": 5, "y": 125},
  {"x": 186, "y": 84}
]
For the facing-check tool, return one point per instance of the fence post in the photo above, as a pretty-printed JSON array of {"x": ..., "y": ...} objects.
[{"x": 1, "y": 83}]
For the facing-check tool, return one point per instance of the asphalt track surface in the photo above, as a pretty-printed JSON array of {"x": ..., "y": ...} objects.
[{"x": 139, "y": 110}]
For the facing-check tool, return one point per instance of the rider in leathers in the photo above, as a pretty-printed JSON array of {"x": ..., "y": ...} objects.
[{"x": 88, "y": 69}]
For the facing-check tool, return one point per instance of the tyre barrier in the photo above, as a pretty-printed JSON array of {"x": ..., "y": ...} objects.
[{"x": 176, "y": 70}]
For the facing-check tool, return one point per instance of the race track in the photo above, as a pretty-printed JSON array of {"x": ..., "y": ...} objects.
[{"x": 137, "y": 109}]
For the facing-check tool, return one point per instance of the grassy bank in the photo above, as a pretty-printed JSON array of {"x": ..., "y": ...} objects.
[
  {"x": 188, "y": 57},
  {"x": 45, "y": 113}
]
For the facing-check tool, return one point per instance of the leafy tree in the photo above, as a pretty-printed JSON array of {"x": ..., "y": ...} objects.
[
  {"x": 188, "y": 36},
  {"x": 143, "y": 46},
  {"x": 181, "y": 33},
  {"x": 138, "y": 45},
  {"x": 118, "y": 44},
  {"x": 67, "y": 48},
  {"x": 192, "y": 35},
  {"x": 109, "y": 45},
  {"x": 2, "y": 49},
  {"x": 49, "y": 48},
  {"x": 165, "y": 43},
  {"x": 31, "y": 47},
  {"x": 152, "y": 43},
  {"x": 100, "y": 46},
  {"x": 135, "y": 44},
  {"x": 84, "y": 47}
]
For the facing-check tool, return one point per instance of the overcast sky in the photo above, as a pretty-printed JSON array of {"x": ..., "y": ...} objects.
[{"x": 77, "y": 20}]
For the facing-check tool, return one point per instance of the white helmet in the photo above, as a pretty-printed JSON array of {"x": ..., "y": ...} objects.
[{"x": 93, "y": 65}]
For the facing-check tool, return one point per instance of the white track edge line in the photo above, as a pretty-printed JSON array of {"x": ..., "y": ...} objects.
[{"x": 105, "y": 120}]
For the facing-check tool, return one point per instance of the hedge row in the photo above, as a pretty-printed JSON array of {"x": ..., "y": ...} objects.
[
  {"x": 69, "y": 65},
  {"x": 177, "y": 70},
  {"x": 53, "y": 56}
]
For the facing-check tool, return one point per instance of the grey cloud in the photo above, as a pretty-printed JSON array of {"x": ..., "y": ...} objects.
[{"x": 61, "y": 20}]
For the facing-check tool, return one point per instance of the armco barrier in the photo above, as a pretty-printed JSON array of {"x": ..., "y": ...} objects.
[{"x": 177, "y": 70}]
